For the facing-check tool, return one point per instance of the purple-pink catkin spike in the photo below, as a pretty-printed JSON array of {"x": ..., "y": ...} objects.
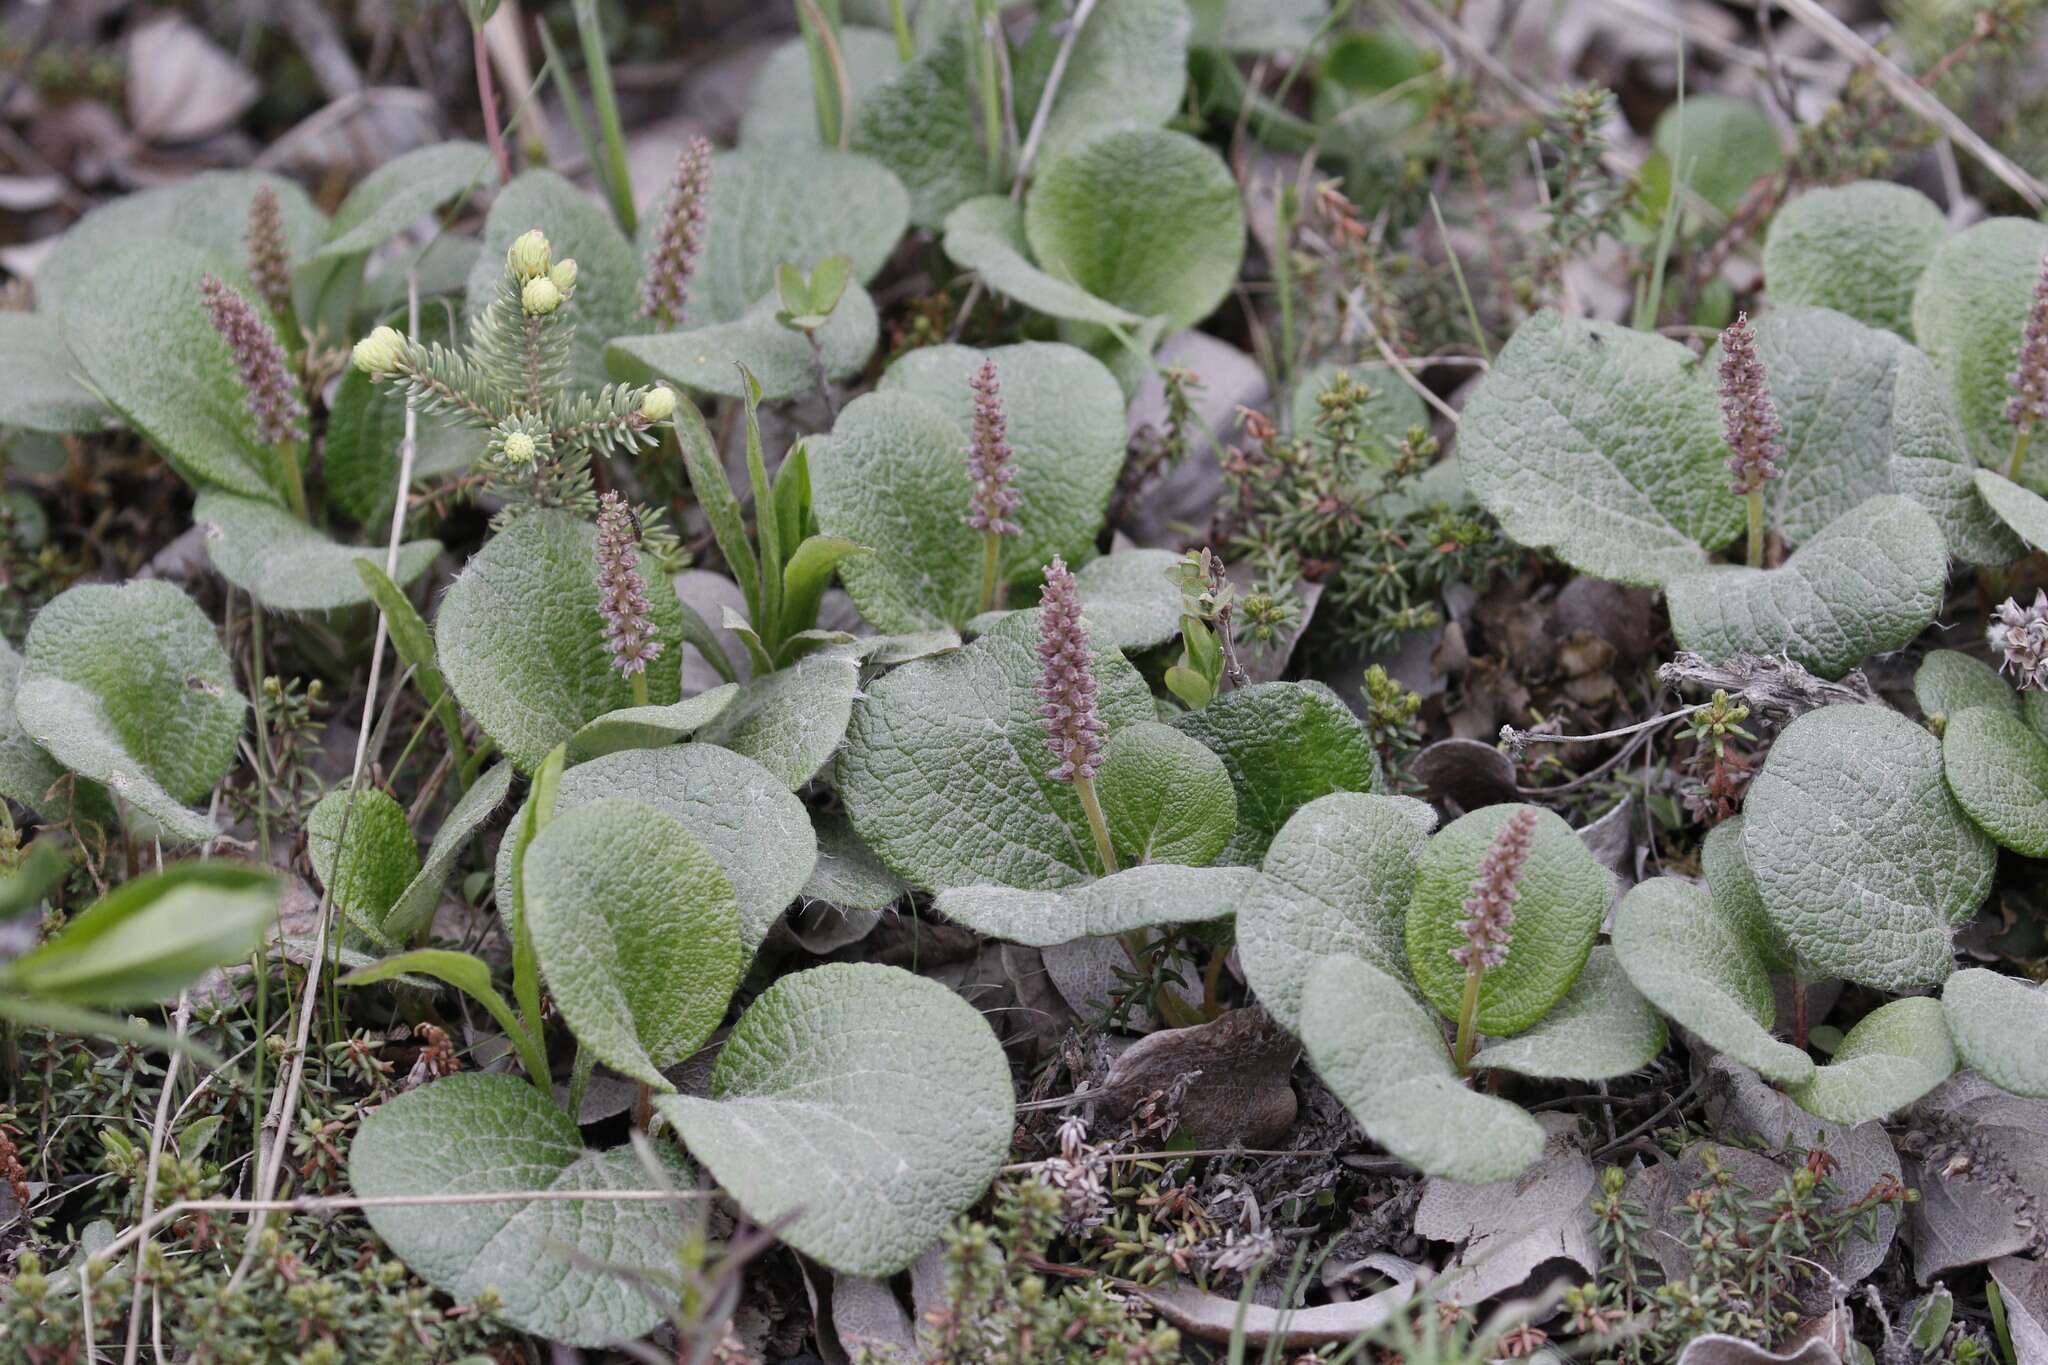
[
  {"x": 1748, "y": 419},
  {"x": 280, "y": 414},
  {"x": 2029, "y": 379},
  {"x": 988, "y": 457},
  {"x": 1067, "y": 687},
  {"x": 269, "y": 267},
  {"x": 1490, "y": 907},
  {"x": 680, "y": 238},
  {"x": 622, "y": 594}
]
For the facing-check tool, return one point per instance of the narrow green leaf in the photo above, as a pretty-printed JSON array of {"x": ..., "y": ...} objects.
[
  {"x": 715, "y": 496},
  {"x": 767, "y": 530},
  {"x": 468, "y": 974},
  {"x": 808, "y": 574}
]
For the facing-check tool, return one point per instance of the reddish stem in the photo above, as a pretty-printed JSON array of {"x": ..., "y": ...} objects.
[{"x": 487, "y": 95}]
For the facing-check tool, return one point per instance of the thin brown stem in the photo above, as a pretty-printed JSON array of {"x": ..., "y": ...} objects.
[{"x": 487, "y": 95}]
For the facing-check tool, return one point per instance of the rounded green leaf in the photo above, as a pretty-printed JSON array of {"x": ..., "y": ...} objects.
[
  {"x": 1128, "y": 69},
  {"x": 42, "y": 391},
  {"x": 28, "y": 775},
  {"x": 1894, "y": 1055},
  {"x": 1561, "y": 898},
  {"x": 945, "y": 768},
  {"x": 986, "y": 235},
  {"x": 1733, "y": 888},
  {"x": 1167, "y": 797},
  {"x": 1603, "y": 445},
  {"x": 1284, "y": 744},
  {"x": 923, "y": 125},
  {"x": 867, "y": 1105},
  {"x": 1700, "y": 964},
  {"x": 1601, "y": 1029},
  {"x": 705, "y": 360},
  {"x": 585, "y": 1273},
  {"x": 1721, "y": 146},
  {"x": 1867, "y": 584},
  {"x": 1864, "y": 861},
  {"x": 285, "y": 564},
  {"x": 398, "y": 193},
  {"x": 522, "y": 643},
  {"x": 848, "y": 875},
  {"x": 1997, "y": 769},
  {"x": 1178, "y": 256},
  {"x": 607, "y": 298},
  {"x": 1136, "y": 898},
  {"x": 141, "y": 335},
  {"x": 1948, "y": 683},
  {"x": 1336, "y": 881},
  {"x": 788, "y": 204},
  {"x": 790, "y": 721},
  {"x": 1129, "y": 599},
  {"x": 780, "y": 103},
  {"x": 2000, "y": 1027},
  {"x": 1968, "y": 314},
  {"x": 1856, "y": 248},
  {"x": 637, "y": 933},
  {"x": 1932, "y": 464},
  {"x": 363, "y": 852},
  {"x": 737, "y": 809},
  {"x": 1383, "y": 1055},
  {"x": 130, "y": 687},
  {"x": 649, "y": 727}
]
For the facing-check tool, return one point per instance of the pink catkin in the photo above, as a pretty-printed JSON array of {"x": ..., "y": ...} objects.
[
  {"x": 622, "y": 594},
  {"x": 988, "y": 457},
  {"x": 269, "y": 267},
  {"x": 2029, "y": 379},
  {"x": 280, "y": 414},
  {"x": 1066, "y": 686},
  {"x": 1749, "y": 421},
  {"x": 672, "y": 259},
  {"x": 1490, "y": 906}
]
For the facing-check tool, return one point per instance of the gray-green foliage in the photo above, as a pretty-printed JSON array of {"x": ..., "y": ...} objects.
[
  {"x": 1733, "y": 888},
  {"x": 868, "y": 1105},
  {"x": 2000, "y": 1027},
  {"x": 779, "y": 104},
  {"x": 1721, "y": 146},
  {"x": 416, "y": 904},
  {"x": 636, "y": 931},
  {"x": 129, "y": 687},
  {"x": 945, "y": 767},
  {"x": 790, "y": 721},
  {"x": 1128, "y": 70},
  {"x": 395, "y": 195},
  {"x": 522, "y": 642},
  {"x": 1284, "y": 744},
  {"x": 1167, "y": 798},
  {"x": 285, "y": 564},
  {"x": 27, "y": 773},
  {"x": 1932, "y": 464},
  {"x": 1560, "y": 900},
  {"x": 1997, "y": 769},
  {"x": 1949, "y": 683},
  {"x": 894, "y": 477},
  {"x": 1601, "y": 1029},
  {"x": 649, "y": 727},
  {"x": 1177, "y": 257},
  {"x": 737, "y": 809},
  {"x": 43, "y": 392},
  {"x": 1129, "y": 599},
  {"x": 1862, "y": 858},
  {"x": 1336, "y": 880},
  {"x": 1895, "y": 1054},
  {"x": 1136, "y": 898},
  {"x": 922, "y": 124},
  {"x": 1968, "y": 313},
  {"x": 1867, "y": 583},
  {"x": 1701, "y": 965},
  {"x": 986, "y": 235},
  {"x": 2021, "y": 511},
  {"x": 363, "y": 852},
  {"x": 556, "y": 1265},
  {"x": 1858, "y": 248},
  {"x": 705, "y": 359},
  {"x": 1383, "y": 1055},
  {"x": 1603, "y": 445}
]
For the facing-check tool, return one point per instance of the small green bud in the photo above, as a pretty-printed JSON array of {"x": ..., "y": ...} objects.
[
  {"x": 380, "y": 351},
  {"x": 540, "y": 297},
  {"x": 519, "y": 448},
  {"x": 564, "y": 275},
  {"x": 529, "y": 255},
  {"x": 658, "y": 404}
]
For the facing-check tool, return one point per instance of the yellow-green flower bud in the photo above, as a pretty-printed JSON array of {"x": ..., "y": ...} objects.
[
  {"x": 540, "y": 297},
  {"x": 564, "y": 275},
  {"x": 380, "y": 351},
  {"x": 658, "y": 404},
  {"x": 519, "y": 448},
  {"x": 528, "y": 259}
]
